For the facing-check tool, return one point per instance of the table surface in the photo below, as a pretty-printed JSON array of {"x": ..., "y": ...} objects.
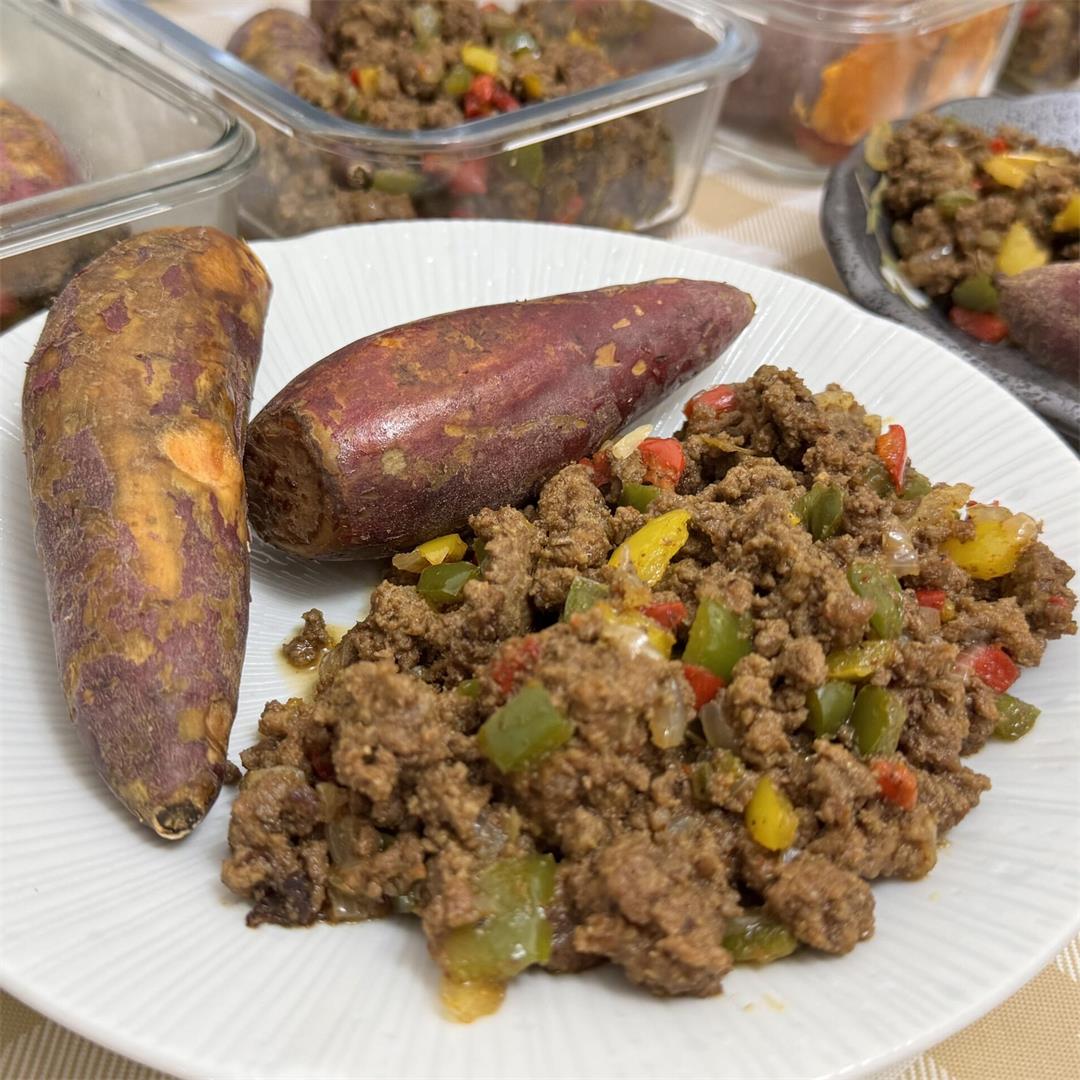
[{"x": 1035, "y": 1035}]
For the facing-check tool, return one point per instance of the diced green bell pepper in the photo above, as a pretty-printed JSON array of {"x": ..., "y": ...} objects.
[
  {"x": 821, "y": 509},
  {"x": 515, "y": 933},
  {"x": 976, "y": 293},
  {"x": 516, "y": 41},
  {"x": 877, "y": 478},
  {"x": 527, "y": 163},
  {"x": 718, "y": 638},
  {"x": 948, "y": 202},
  {"x": 915, "y": 484},
  {"x": 1017, "y": 717},
  {"x": 426, "y": 22},
  {"x": 829, "y": 706},
  {"x": 396, "y": 181},
  {"x": 639, "y": 496},
  {"x": 523, "y": 730},
  {"x": 443, "y": 584},
  {"x": 757, "y": 938},
  {"x": 468, "y": 688},
  {"x": 583, "y": 594},
  {"x": 878, "y": 718},
  {"x": 457, "y": 81},
  {"x": 872, "y": 583}
]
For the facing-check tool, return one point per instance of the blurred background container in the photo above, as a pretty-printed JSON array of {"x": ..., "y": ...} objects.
[
  {"x": 828, "y": 70},
  {"x": 144, "y": 151},
  {"x": 623, "y": 155}
]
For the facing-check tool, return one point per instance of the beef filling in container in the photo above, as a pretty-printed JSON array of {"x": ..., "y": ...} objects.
[
  {"x": 828, "y": 70},
  {"x": 1046, "y": 55},
  {"x": 577, "y": 112},
  {"x": 133, "y": 149}
]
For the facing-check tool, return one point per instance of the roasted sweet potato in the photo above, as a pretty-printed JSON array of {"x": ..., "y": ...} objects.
[
  {"x": 134, "y": 413},
  {"x": 401, "y": 436},
  {"x": 33, "y": 161},
  {"x": 1042, "y": 309},
  {"x": 277, "y": 42}
]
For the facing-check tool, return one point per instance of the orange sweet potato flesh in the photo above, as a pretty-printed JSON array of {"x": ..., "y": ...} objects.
[
  {"x": 401, "y": 436},
  {"x": 134, "y": 410}
]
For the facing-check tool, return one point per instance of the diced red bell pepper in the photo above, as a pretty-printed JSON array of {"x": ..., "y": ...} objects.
[
  {"x": 718, "y": 399},
  {"x": 997, "y": 145},
  {"x": 896, "y": 783},
  {"x": 1057, "y": 601},
  {"x": 664, "y": 461},
  {"x": 984, "y": 326},
  {"x": 1030, "y": 13},
  {"x": 703, "y": 682},
  {"x": 479, "y": 99},
  {"x": 571, "y": 210},
  {"x": 470, "y": 178},
  {"x": 934, "y": 598},
  {"x": 669, "y": 615},
  {"x": 514, "y": 659},
  {"x": 599, "y": 465},
  {"x": 992, "y": 664},
  {"x": 891, "y": 447},
  {"x": 503, "y": 100}
]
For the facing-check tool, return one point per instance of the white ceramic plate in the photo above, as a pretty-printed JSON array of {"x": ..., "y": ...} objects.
[{"x": 135, "y": 944}]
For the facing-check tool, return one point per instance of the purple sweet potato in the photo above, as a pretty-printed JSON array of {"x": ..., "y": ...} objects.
[
  {"x": 401, "y": 436},
  {"x": 33, "y": 161},
  {"x": 1042, "y": 308},
  {"x": 134, "y": 414},
  {"x": 278, "y": 43},
  {"x": 32, "y": 158}
]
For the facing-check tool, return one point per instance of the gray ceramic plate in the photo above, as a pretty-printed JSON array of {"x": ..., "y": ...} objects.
[{"x": 1054, "y": 119}]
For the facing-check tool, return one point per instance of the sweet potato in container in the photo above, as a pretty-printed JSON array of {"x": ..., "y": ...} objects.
[
  {"x": 399, "y": 437},
  {"x": 33, "y": 161},
  {"x": 1042, "y": 309},
  {"x": 134, "y": 410}
]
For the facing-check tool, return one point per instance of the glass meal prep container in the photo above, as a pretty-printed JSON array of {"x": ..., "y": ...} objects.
[
  {"x": 828, "y": 70},
  {"x": 143, "y": 149},
  {"x": 1046, "y": 53},
  {"x": 626, "y": 154}
]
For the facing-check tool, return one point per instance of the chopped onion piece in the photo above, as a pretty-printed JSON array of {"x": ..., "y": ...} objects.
[
  {"x": 901, "y": 558},
  {"x": 671, "y": 716},
  {"x": 714, "y": 722},
  {"x": 624, "y": 447}
]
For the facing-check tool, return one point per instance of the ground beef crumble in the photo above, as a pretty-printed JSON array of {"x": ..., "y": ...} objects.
[{"x": 377, "y": 797}]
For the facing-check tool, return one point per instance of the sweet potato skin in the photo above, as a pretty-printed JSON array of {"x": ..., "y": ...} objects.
[
  {"x": 401, "y": 436},
  {"x": 134, "y": 414},
  {"x": 277, "y": 42},
  {"x": 32, "y": 158},
  {"x": 1042, "y": 308},
  {"x": 33, "y": 161}
]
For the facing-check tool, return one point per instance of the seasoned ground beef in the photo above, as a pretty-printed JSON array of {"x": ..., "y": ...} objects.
[
  {"x": 671, "y": 758},
  {"x": 954, "y": 209},
  {"x": 413, "y": 65}
]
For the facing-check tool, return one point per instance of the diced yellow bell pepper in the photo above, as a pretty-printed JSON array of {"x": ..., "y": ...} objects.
[
  {"x": 368, "y": 80},
  {"x": 1020, "y": 251},
  {"x": 533, "y": 86},
  {"x": 859, "y": 661},
  {"x": 1068, "y": 219},
  {"x": 449, "y": 548},
  {"x": 1000, "y": 537},
  {"x": 653, "y": 546},
  {"x": 477, "y": 58},
  {"x": 770, "y": 818},
  {"x": 1012, "y": 170}
]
